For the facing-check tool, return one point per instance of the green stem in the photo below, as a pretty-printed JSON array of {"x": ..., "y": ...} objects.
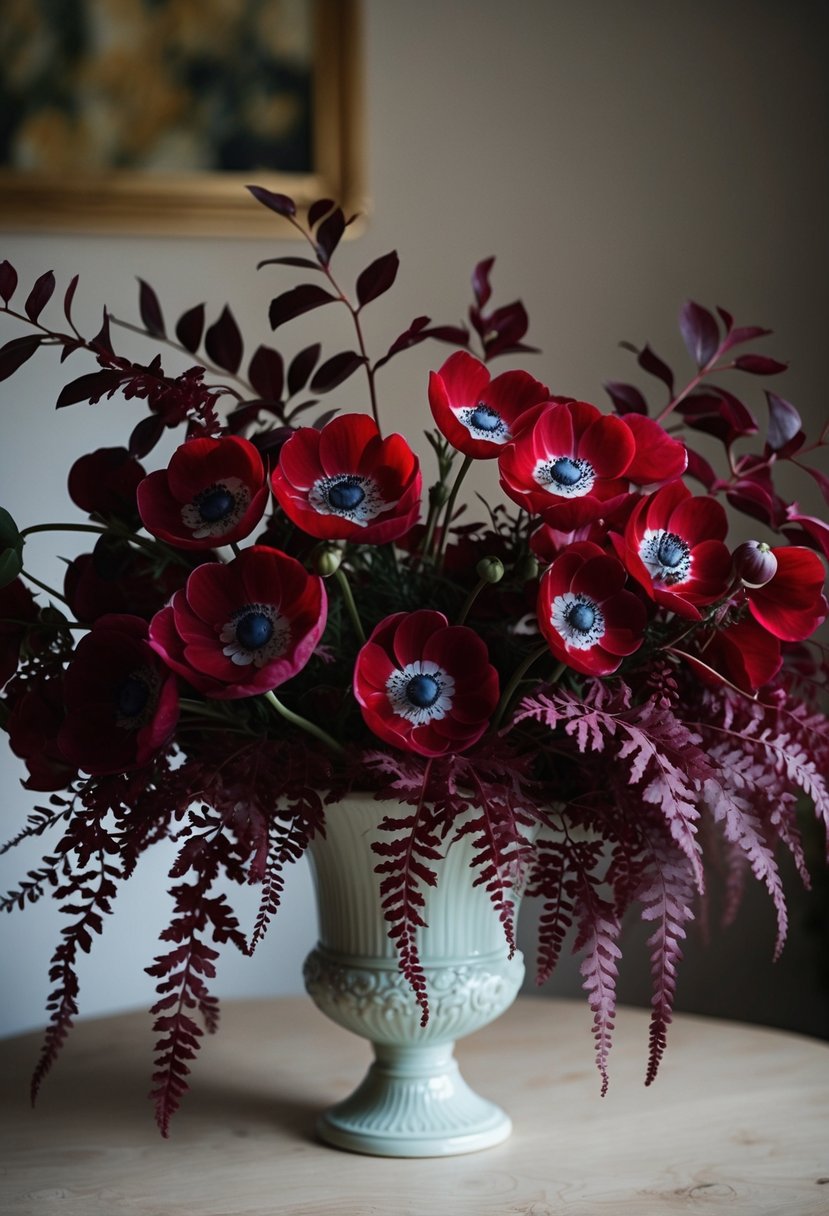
[
  {"x": 303, "y": 723},
  {"x": 450, "y": 507},
  {"x": 517, "y": 677},
  {"x": 63, "y": 528},
  {"x": 342, "y": 578},
  {"x": 470, "y": 599},
  {"x": 152, "y": 545}
]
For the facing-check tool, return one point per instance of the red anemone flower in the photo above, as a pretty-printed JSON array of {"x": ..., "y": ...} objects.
[
  {"x": 121, "y": 701},
  {"x": 475, "y": 413},
  {"x": 424, "y": 685},
  {"x": 567, "y": 463},
  {"x": 791, "y": 605},
  {"x": 589, "y": 621},
  {"x": 37, "y": 713},
  {"x": 658, "y": 458},
  {"x": 744, "y": 653},
  {"x": 673, "y": 546},
  {"x": 104, "y": 483},
  {"x": 213, "y": 492},
  {"x": 244, "y": 627},
  {"x": 346, "y": 482}
]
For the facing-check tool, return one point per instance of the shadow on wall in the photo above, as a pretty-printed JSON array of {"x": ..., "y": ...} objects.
[{"x": 733, "y": 974}]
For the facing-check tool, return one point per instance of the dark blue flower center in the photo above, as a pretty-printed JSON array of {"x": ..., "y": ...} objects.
[
  {"x": 346, "y": 495},
  {"x": 254, "y": 630},
  {"x": 565, "y": 472},
  {"x": 671, "y": 550},
  {"x": 131, "y": 697},
  {"x": 484, "y": 418},
  {"x": 581, "y": 617},
  {"x": 423, "y": 691},
  {"x": 215, "y": 504}
]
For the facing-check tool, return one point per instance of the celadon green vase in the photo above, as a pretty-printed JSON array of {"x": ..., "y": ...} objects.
[{"x": 413, "y": 1102}]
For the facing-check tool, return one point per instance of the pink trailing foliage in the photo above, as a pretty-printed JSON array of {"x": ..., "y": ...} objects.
[{"x": 612, "y": 776}]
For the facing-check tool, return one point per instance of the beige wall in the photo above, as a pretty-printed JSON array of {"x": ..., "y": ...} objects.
[{"x": 616, "y": 157}]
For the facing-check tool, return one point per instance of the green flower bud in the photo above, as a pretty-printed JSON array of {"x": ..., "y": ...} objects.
[
  {"x": 490, "y": 569},
  {"x": 527, "y": 568},
  {"x": 439, "y": 494},
  {"x": 326, "y": 560}
]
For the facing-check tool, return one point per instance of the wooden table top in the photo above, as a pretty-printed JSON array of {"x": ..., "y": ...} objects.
[{"x": 737, "y": 1122}]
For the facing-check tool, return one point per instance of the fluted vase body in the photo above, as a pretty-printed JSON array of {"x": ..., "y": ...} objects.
[{"x": 413, "y": 1102}]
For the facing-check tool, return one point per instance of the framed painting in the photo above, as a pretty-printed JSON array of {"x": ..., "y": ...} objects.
[{"x": 150, "y": 116}]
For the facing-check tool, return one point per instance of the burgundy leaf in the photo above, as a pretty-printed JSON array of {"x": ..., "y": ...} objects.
[
  {"x": 102, "y": 342},
  {"x": 8, "y": 281},
  {"x": 301, "y": 367},
  {"x": 297, "y": 301},
  {"x": 266, "y": 373},
  {"x": 821, "y": 479},
  {"x": 377, "y": 278},
  {"x": 700, "y": 332},
  {"x": 480, "y": 282},
  {"x": 717, "y": 412},
  {"x": 68, "y": 297},
  {"x": 91, "y": 387},
  {"x": 329, "y": 235},
  {"x": 744, "y": 333},
  {"x": 626, "y": 398},
  {"x": 784, "y": 422},
  {"x": 759, "y": 365},
  {"x": 651, "y": 363},
  {"x": 15, "y": 353},
  {"x": 280, "y": 203},
  {"x": 223, "y": 342},
  {"x": 335, "y": 370},
  {"x": 700, "y": 469},
  {"x": 318, "y": 209},
  {"x": 146, "y": 435},
  {"x": 190, "y": 327},
  {"x": 150, "y": 310},
  {"x": 40, "y": 295},
  {"x": 304, "y": 263}
]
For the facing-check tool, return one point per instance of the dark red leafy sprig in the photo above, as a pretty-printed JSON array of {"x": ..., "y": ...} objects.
[{"x": 500, "y": 330}]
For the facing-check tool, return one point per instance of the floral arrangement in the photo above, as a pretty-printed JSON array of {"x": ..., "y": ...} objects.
[{"x": 273, "y": 620}]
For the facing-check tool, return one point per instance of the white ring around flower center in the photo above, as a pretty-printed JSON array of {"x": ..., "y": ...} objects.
[
  {"x": 276, "y": 645},
  {"x": 565, "y": 608},
  {"x": 397, "y": 687},
  {"x": 200, "y": 527},
  {"x": 368, "y": 508},
  {"x": 547, "y": 474},
  {"x": 499, "y": 433},
  {"x": 655, "y": 547}
]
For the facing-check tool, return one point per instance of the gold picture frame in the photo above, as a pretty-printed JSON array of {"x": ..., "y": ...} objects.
[{"x": 139, "y": 202}]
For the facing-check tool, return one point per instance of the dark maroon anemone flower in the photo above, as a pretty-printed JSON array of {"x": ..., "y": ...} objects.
[
  {"x": 121, "y": 701},
  {"x": 116, "y": 578},
  {"x": 567, "y": 463},
  {"x": 673, "y": 546},
  {"x": 213, "y": 492},
  {"x": 791, "y": 605},
  {"x": 37, "y": 714},
  {"x": 18, "y": 612},
  {"x": 104, "y": 483},
  {"x": 346, "y": 482},
  {"x": 475, "y": 413},
  {"x": 242, "y": 628},
  {"x": 589, "y": 621},
  {"x": 424, "y": 685}
]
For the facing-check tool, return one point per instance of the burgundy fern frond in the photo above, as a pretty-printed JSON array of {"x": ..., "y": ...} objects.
[
  {"x": 407, "y": 855},
  {"x": 666, "y": 896},
  {"x": 552, "y": 882},
  {"x": 597, "y": 936},
  {"x": 90, "y": 893}
]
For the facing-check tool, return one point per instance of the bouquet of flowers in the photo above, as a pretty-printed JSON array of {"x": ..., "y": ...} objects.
[{"x": 280, "y": 616}]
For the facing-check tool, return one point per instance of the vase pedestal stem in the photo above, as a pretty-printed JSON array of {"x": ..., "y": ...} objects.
[{"x": 413, "y": 1102}]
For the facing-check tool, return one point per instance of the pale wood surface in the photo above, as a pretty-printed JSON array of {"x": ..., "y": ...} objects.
[{"x": 737, "y": 1122}]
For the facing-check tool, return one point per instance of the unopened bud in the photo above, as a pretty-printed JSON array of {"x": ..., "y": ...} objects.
[
  {"x": 490, "y": 569},
  {"x": 754, "y": 563},
  {"x": 326, "y": 560},
  {"x": 439, "y": 494},
  {"x": 527, "y": 568}
]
